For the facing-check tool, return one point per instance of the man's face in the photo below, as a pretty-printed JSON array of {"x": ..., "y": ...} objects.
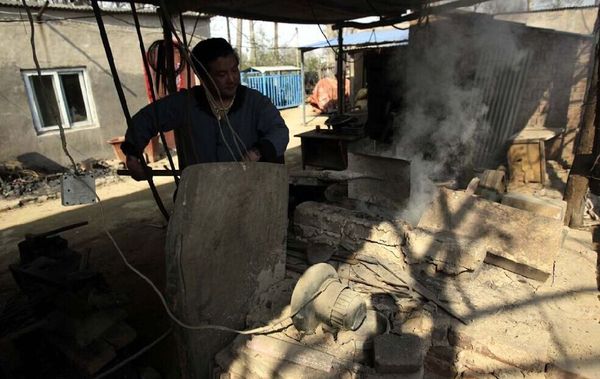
[{"x": 226, "y": 75}]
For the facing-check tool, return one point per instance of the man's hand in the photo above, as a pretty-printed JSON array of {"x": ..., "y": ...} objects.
[
  {"x": 252, "y": 155},
  {"x": 136, "y": 169}
]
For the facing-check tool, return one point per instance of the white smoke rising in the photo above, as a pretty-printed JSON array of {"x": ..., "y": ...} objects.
[{"x": 443, "y": 117}]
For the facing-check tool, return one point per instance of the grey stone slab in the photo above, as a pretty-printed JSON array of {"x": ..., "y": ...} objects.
[
  {"x": 450, "y": 253},
  {"x": 392, "y": 192},
  {"x": 553, "y": 208},
  {"x": 225, "y": 244},
  {"x": 514, "y": 239}
]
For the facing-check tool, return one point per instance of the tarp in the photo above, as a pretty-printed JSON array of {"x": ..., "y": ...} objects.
[{"x": 364, "y": 38}]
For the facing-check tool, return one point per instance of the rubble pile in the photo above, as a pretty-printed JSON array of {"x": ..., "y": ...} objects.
[
  {"x": 16, "y": 181},
  {"x": 477, "y": 289}
]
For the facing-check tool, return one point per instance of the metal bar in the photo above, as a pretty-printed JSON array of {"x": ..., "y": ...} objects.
[
  {"x": 153, "y": 172},
  {"x": 340, "y": 72},
  {"x": 410, "y": 17}
]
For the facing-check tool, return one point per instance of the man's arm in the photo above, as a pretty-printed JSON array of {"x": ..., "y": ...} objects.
[
  {"x": 274, "y": 135},
  {"x": 145, "y": 124}
]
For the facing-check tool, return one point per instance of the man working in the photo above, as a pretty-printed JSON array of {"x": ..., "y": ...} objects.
[{"x": 222, "y": 120}]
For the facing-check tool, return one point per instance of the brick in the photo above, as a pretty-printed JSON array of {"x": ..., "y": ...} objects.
[{"x": 398, "y": 353}]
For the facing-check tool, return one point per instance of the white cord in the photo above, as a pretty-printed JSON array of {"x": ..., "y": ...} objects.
[{"x": 275, "y": 326}]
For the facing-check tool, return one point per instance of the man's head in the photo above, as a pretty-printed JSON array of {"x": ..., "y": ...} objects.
[{"x": 220, "y": 60}]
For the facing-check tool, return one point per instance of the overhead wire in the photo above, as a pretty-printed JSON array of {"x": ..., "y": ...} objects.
[{"x": 56, "y": 117}]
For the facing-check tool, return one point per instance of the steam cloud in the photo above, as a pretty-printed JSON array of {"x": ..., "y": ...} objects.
[{"x": 443, "y": 117}]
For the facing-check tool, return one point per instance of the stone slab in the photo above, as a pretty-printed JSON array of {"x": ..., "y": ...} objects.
[
  {"x": 392, "y": 192},
  {"x": 353, "y": 230},
  {"x": 225, "y": 244},
  {"x": 523, "y": 242},
  {"x": 450, "y": 253},
  {"x": 553, "y": 208}
]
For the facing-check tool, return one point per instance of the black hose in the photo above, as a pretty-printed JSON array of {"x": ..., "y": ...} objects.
[
  {"x": 149, "y": 76},
  {"x": 123, "y": 101}
]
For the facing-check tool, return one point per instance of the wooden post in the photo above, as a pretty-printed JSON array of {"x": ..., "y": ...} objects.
[{"x": 578, "y": 181}]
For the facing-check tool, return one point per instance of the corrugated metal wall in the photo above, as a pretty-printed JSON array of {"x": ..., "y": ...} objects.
[{"x": 501, "y": 75}]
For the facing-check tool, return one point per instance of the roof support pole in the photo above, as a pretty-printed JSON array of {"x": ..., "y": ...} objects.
[
  {"x": 340, "y": 71},
  {"x": 303, "y": 94}
]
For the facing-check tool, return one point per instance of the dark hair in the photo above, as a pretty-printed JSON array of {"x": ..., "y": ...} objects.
[{"x": 209, "y": 50}]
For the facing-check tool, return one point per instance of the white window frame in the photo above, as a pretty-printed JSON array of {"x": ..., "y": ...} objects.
[{"x": 61, "y": 98}]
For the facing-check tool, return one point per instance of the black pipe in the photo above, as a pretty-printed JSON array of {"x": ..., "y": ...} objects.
[
  {"x": 123, "y": 101},
  {"x": 341, "y": 82},
  {"x": 136, "y": 21}
]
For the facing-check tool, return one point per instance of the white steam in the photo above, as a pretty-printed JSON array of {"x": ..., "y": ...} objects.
[{"x": 443, "y": 116}]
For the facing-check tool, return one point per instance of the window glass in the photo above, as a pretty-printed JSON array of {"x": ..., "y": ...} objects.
[
  {"x": 74, "y": 97},
  {"x": 46, "y": 99}
]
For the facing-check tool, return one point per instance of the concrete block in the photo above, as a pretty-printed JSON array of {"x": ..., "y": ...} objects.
[
  {"x": 450, "y": 253},
  {"x": 553, "y": 208},
  {"x": 398, "y": 353},
  {"x": 515, "y": 240}
]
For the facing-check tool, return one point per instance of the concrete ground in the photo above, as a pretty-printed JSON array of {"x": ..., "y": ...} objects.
[{"x": 129, "y": 213}]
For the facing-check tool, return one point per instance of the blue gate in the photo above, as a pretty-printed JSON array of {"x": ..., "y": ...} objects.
[{"x": 284, "y": 90}]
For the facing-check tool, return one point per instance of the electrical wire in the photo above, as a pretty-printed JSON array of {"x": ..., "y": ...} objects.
[
  {"x": 277, "y": 325},
  {"x": 61, "y": 129}
]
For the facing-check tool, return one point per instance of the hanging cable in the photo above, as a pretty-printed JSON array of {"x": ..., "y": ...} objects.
[
  {"x": 123, "y": 101},
  {"x": 56, "y": 117},
  {"x": 152, "y": 93}
]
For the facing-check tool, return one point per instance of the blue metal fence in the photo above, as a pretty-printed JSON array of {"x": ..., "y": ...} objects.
[{"x": 285, "y": 90}]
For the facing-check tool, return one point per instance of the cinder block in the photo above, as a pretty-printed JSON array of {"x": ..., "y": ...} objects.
[
  {"x": 552, "y": 208},
  {"x": 398, "y": 353}
]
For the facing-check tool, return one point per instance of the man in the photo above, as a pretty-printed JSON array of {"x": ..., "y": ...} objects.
[{"x": 220, "y": 121}]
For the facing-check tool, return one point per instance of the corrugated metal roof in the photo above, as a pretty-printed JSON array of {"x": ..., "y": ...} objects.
[
  {"x": 305, "y": 11},
  {"x": 364, "y": 38},
  {"x": 264, "y": 69},
  {"x": 87, "y": 8}
]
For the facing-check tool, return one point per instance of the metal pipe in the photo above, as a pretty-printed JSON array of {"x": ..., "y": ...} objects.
[
  {"x": 340, "y": 72},
  {"x": 303, "y": 94}
]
